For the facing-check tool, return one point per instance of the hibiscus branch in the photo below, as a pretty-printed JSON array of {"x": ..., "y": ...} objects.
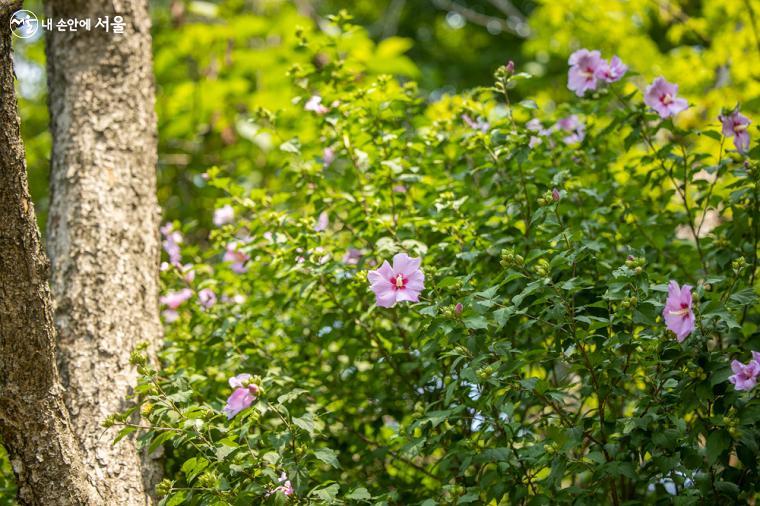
[
  {"x": 395, "y": 455},
  {"x": 484, "y": 20},
  {"x": 683, "y": 193},
  {"x": 508, "y": 9},
  {"x": 712, "y": 185}
]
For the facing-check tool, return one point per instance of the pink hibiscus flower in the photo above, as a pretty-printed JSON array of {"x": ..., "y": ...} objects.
[
  {"x": 286, "y": 487},
  {"x": 677, "y": 313},
  {"x": 224, "y": 215},
  {"x": 735, "y": 125},
  {"x": 745, "y": 375},
  {"x": 314, "y": 104},
  {"x": 243, "y": 396},
  {"x": 573, "y": 125},
  {"x": 479, "y": 124},
  {"x": 323, "y": 221},
  {"x": 206, "y": 298},
  {"x": 611, "y": 71},
  {"x": 584, "y": 65},
  {"x": 172, "y": 300},
  {"x": 661, "y": 96},
  {"x": 402, "y": 282},
  {"x": 172, "y": 240},
  {"x": 237, "y": 257},
  {"x": 328, "y": 157},
  {"x": 352, "y": 256}
]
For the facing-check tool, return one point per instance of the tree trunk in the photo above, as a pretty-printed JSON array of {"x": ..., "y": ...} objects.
[
  {"x": 34, "y": 422},
  {"x": 103, "y": 227}
]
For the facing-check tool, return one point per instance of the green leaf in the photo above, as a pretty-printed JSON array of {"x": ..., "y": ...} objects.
[
  {"x": 124, "y": 432},
  {"x": 306, "y": 422},
  {"x": 359, "y": 494},
  {"x": 327, "y": 494},
  {"x": 476, "y": 322},
  {"x": 291, "y": 395},
  {"x": 717, "y": 443},
  {"x": 328, "y": 456},
  {"x": 291, "y": 146}
]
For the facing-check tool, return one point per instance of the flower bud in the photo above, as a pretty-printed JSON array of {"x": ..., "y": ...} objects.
[
  {"x": 137, "y": 358},
  {"x": 207, "y": 480},
  {"x": 485, "y": 372},
  {"x": 738, "y": 264},
  {"x": 510, "y": 67},
  {"x": 164, "y": 487},
  {"x": 555, "y": 195},
  {"x": 458, "y": 308},
  {"x": 146, "y": 409}
]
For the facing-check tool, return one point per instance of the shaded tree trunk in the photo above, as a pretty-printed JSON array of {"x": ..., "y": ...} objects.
[
  {"x": 103, "y": 227},
  {"x": 34, "y": 422}
]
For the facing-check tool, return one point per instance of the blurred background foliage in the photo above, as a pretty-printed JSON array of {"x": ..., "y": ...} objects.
[{"x": 216, "y": 62}]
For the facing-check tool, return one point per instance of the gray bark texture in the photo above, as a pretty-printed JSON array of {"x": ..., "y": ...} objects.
[
  {"x": 34, "y": 422},
  {"x": 103, "y": 228}
]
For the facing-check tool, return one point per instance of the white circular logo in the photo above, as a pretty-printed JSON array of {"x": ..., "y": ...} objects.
[{"x": 24, "y": 24}]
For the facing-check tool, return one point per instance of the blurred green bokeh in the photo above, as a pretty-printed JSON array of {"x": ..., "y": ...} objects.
[{"x": 217, "y": 61}]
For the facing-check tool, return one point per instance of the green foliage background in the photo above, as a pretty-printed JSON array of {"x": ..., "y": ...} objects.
[{"x": 218, "y": 63}]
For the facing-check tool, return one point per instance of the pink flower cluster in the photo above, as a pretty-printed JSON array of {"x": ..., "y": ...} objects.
[
  {"x": 242, "y": 397},
  {"x": 172, "y": 240},
  {"x": 587, "y": 69},
  {"x": 573, "y": 129},
  {"x": 679, "y": 317},
  {"x": 745, "y": 375},
  {"x": 173, "y": 300}
]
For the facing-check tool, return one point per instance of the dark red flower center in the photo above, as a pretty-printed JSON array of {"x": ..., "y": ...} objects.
[{"x": 399, "y": 282}]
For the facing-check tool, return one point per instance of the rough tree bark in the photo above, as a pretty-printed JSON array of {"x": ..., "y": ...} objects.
[
  {"x": 34, "y": 422},
  {"x": 103, "y": 226}
]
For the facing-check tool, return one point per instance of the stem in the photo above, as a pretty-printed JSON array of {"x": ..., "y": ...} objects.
[{"x": 712, "y": 185}]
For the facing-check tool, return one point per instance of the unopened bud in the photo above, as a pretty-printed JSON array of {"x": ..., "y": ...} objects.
[
  {"x": 555, "y": 195},
  {"x": 458, "y": 308},
  {"x": 146, "y": 409},
  {"x": 510, "y": 67},
  {"x": 164, "y": 487}
]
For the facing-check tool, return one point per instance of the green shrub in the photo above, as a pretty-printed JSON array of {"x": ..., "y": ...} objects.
[{"x": 536, "y": 367}]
